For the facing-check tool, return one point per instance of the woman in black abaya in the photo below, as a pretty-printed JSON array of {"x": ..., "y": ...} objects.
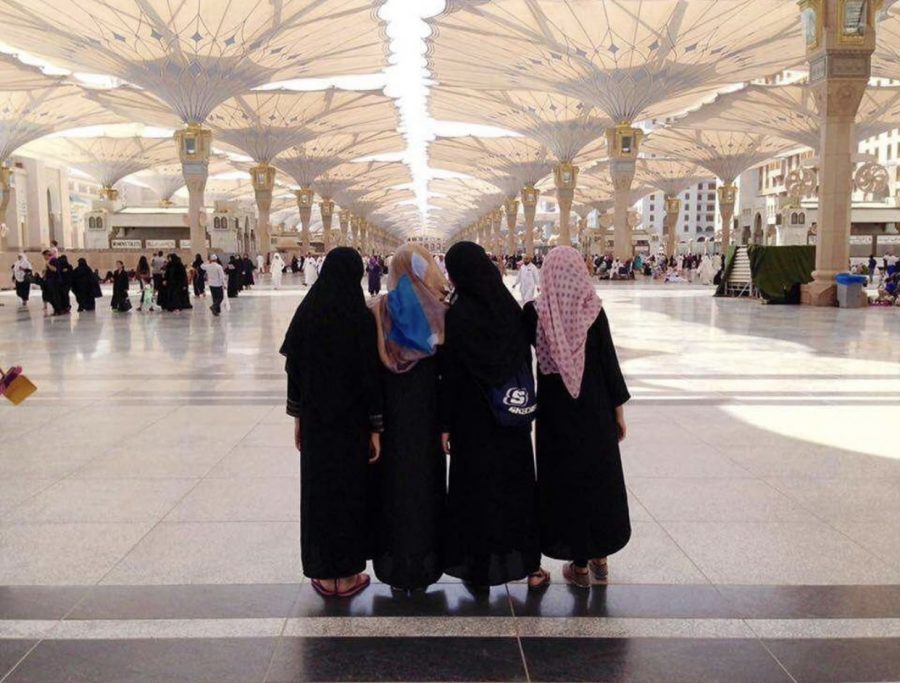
[
  {"x": 84, "y": 286},
  {"x": 175, "y": 281},
  {"x": 234, "y": 271},
  {"x": 412, "y": 475},
  {"x": 581, "y": 394},
  {"x": 120, "y": 301},
  {"x": 334, "y": 397},
  {"x": 492, "y": 527}
]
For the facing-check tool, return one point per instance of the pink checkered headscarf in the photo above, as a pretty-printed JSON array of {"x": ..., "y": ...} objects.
[{"x": 567, "y": 307}]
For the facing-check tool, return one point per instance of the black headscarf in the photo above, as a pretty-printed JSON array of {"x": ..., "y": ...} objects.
[
  {"x": 330, "y": 345},
  {"x": 484, "y": 323}
]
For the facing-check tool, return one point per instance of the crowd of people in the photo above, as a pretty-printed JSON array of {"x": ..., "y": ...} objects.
[{"x": 380, "y": 391}]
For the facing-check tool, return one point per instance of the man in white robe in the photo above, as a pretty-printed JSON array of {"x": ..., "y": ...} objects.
[
  {"x": 261, "y": 263},
  {"x": 528, "y": 280},
  {"x": 310, "y": 270},
  {"x": 277, "y": 267}
]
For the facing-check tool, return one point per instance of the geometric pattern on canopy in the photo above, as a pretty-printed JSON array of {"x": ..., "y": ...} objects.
[
  {"x": 193, "y": 55},
  {"x": 306, "y": 162},
  {"x": 725, "y": 154},
  {"x": 108, "y": 159},
  {"x": 789, "y": 112},
  {"x": 27, "y": 115},
  {"x": 631, "y": 59},
  {"x": 364, "y": 175},
  {"x": 669, "y": 176},
  {"x": 522, "y": 161},
  {"x": 264, "y": 123},
  {"x": 571, "y": 130}
]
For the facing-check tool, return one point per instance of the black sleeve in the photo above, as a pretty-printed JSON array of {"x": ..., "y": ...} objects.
[
  {"x": 612, "y": 373},
  {"x": 449, "y": 369},
  {"x": 530, "y": 319},
  {"x": 371, "y": 374},
  {"x": 293, "y": 390}
]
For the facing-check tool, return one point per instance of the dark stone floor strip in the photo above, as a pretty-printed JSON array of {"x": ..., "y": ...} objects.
[
  {"x": 404, "y": 659},
  {"x": 236, "y": 660},
  {"x": 839, "y": 660}
]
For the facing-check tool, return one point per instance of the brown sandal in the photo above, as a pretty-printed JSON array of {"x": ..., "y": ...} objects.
[
  {"x": 576, "y": 578},
  {"x": 544, "y": 577},
  {"x": 599, "y": 570}
]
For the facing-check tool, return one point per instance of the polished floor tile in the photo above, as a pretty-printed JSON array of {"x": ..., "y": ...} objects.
[
  {"x": 839, "y": 660},
  {"x": 406, "y": 659}
]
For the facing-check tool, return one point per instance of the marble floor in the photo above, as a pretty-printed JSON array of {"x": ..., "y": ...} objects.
[{"x": 149, "y": 510}]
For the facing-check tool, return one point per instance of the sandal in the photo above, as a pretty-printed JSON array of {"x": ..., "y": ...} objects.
[
  {"x": 599, "y": 570},
  {"x": 574, "y": 577},
  {"x": 360, "y": 583},
  {"x": 321, "y": 590},
  {"x": 544, "y": 581}
]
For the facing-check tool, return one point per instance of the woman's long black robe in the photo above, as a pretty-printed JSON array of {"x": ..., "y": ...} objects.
[
  {"x": 492, "y": 527},
  {"x": 335, "y": 477},
  {"x": 411, "y": 480},
  {"x": 177, "y": 296},
  {"x": 120, "y": 291},
  {"x": 84, "y": 287},
  {"x": 583, "y": 501}
]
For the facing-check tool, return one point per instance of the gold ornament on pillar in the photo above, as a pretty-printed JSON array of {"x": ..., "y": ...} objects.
[
  {"x": 840, "y": 40},
  {"x": 109, "y": 194},
  {"x": 194, "y": 142}
]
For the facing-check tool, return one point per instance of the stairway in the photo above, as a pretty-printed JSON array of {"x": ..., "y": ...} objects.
[{"x": 740, "y": 279}]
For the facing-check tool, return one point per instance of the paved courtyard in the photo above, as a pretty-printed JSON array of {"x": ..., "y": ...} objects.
[{"x": 149, "y": 510}]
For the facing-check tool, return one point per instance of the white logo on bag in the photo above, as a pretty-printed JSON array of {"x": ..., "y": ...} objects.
[{"x": 516, "y": 398}]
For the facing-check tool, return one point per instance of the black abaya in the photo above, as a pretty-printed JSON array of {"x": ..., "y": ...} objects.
[
  {"x": 411, "y": 480},
  {"x": 332, "y": 366},
  {"x": 177, "y": 297},
  {"x": 83, "y": 286},
  {"x": 120, "y": 291},
  {"x": 492, "y": 527},
  {"x": 583, "y": 501}
]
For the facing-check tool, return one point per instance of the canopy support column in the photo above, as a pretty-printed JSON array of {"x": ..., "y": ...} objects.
[
  {"x": 194, "y": 143},
  {"x": 263, "y": 178},
  {"x": 305, "y": 197},
  {"x": 565, "y": 175},
  {"x": 344, "y": 222},
  {"x": 727, "y": 197},
  {"x": 511, "y": 207},
  {"x": 326, "y": 209},
  {"x": 839, "y": 49},
  {"x": 623, "y": 143},
  {"x": 673, "y": 210},
  {"x": 529, "y": 207}
]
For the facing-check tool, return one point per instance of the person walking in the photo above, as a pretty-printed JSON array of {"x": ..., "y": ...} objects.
[
  {"x": 145, "y": 281},
  {"x": 491, "y": 525},
  {"x": 528, "y": 280},
  {"x": 157, "y": 265},
  {"x": 334, "y": 396},
  {"x": 22, "y": 274},
  {"x": 120, "y": 301},
  {"x": 277, "y": 268},
  {"x": 217, "y": 279},
  {"x": 411, "y": 477},
  {"x": 310, "y": 270},
  {"x": 583, "y": 503},
  {"x": 373, "y": 269},
  {"x": 199, "y": 277},
  {"x": 85, "y": 286}
]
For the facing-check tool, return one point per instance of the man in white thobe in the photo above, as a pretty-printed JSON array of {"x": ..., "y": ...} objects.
[
  {"x": 527, "y": 281},
  {"x": 310, "y": 270}
]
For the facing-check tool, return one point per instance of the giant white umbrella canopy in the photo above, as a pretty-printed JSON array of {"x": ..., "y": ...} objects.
[
  {"x": 632, "y": 59},
  {"x": 570, "y": 129},
  {"x": 195, "y": 55},
  {"x": 725, "y": 154},
  {"x": 106, "y": 159},
  {"x": 789, "y": 112},
  {"x": 671, "y": 177},
  {"x": 33, "y": 105},
  {"x": 308, "y": 161},
  {"x": 166, "y": 180},
  {"x": 514, "y": 164}
]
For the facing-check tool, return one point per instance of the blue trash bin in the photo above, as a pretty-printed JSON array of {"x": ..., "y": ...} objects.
[{"x": 849, "y": 289}]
